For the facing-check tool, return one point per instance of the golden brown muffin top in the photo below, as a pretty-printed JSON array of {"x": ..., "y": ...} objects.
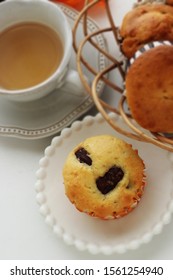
[
  {"x": 149, "y": 89},
  {"x": 90, "y": 184},
  {"x": 146, "y": 23}
]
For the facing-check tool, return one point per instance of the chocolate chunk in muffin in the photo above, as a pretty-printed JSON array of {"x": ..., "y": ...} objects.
[{"x": 112, "y": 185}]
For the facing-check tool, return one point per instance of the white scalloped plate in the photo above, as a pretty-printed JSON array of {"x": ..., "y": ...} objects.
[
  {"x": 92, "y": 234},
  {"x": 49, "y": 115}
]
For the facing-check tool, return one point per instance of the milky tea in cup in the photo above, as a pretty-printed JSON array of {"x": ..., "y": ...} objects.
[
  {"x": 35, "y": 51},
  {"x": 29, "y": 54}
]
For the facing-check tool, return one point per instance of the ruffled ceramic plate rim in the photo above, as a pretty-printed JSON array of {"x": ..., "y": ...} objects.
[{"x": 60, "y": 231}]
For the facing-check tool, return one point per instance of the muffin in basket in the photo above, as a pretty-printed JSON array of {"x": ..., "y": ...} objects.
[
  {"x": 104, "y": 177},
  {"x": 144, "y": 24},
  {"x": 149, "y": 89}
]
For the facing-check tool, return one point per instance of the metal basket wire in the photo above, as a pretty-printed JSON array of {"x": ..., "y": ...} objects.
[{"x": 131, "y": 130}]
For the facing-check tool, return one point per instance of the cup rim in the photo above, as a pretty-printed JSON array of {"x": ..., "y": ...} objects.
[{"x": 65, "y": 59}]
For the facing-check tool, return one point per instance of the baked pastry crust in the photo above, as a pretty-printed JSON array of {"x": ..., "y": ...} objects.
[
  {"x": 144, "y": 24},
  {"x": 80, "y": 179},
  {"x": 149, "y": 89}
]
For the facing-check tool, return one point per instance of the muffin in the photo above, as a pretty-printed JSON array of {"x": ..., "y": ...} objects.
[
  {"x": 146, "y": 23},
  {"x": 104, "y": 177},
  {"x": 149, "y": 89}
]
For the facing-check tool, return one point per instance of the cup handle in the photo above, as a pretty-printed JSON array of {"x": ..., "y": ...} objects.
[{"x": 73, "y": 85}]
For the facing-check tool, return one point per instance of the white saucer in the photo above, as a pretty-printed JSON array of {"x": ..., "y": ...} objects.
[
  {"x": 49, "y": 115},
  {"x": 91, "y": 234}
]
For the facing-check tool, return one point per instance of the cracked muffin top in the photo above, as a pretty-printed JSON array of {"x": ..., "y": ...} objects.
[{"x": 144, "y": 24}]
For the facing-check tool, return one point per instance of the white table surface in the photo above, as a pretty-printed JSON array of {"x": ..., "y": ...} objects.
[{"x": 23, "y": 232}]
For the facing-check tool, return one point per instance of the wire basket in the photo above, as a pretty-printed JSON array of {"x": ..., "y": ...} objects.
[{"x": 132, "y": 129}]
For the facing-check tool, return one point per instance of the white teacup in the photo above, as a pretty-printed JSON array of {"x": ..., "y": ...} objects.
[{"x": 16, "y": 12}]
